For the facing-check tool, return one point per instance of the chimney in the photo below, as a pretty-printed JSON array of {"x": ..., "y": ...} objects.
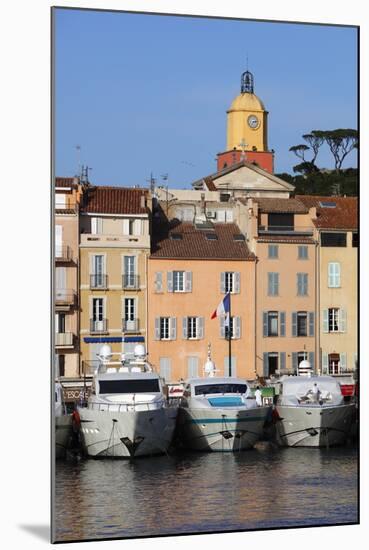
[{"x": 143, "y": 201}]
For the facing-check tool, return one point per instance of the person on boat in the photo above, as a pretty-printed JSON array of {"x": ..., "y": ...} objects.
[
  {"x": 316, "y": 392},
  {"x": 258, "y": 398}
]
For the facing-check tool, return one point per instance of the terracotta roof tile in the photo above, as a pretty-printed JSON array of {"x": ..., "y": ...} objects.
[
  {"x": 115, "y": 200},
  {"x": 343, "y": 216},
  {"x": 292, "y": 206},
  {"x": 193, "y": 243},
  {"x": 290, "y": 239},
  {"x": 66, "y": 182}
]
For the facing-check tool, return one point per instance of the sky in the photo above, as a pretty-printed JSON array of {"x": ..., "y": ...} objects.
[{"x": 146, "y": 94}]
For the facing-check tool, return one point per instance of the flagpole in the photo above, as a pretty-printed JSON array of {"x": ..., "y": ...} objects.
[{"x": 229, "y": 340}]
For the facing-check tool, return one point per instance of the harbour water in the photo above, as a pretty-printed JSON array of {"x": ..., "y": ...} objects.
[{"x": 190, "y": 492}]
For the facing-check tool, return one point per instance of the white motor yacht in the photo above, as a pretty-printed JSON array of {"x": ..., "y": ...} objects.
[
  {"x": 63, "y": 423},
  {"x": 127, "y": 414},
  {"x": 219, "y": 413},
  {"x": 311, "y": 412}
]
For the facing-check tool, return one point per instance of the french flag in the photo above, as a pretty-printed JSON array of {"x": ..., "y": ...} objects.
[{"x": 223, "y": 308}]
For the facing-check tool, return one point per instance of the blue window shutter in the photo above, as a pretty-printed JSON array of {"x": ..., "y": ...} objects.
[
  {"x": 265, "y": 323},
  {"x": 265, "y": 365},
  {"x": 282, "y": 360},
  {"x": 294, "y": 323},
  {"x": 294, "y": 361},
  {"x": 311, "y": 356},
  {"x": 311, "y": 323},
  {"x": 282, "y": 323},
  {"x": 170, "y": 281}
]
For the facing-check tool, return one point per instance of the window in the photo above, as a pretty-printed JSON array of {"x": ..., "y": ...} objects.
[
  {"x": 273, "y": 284},
  {"x": 302, "y": 284},
  {"x": 60, "y": 323},
  {"x": 281, "y": 221},
  {"x": 272, "y": 323},
  {"x": 98, "y": 278},
  {"x": 165, "y": 368},
  {"x": 131, "y": 227},
  {"x": 234, "y": 329},
  {"x": 333, "y": 239},
  {"x": 164, "y": 328},
  {"x": 334, "y": 275},
  {"x": 98, "y": 323},
  {"x": 96, "y": 226},
  {"x": 272, "y": 251},
  {"x": 129, "y": 272},
  {"x": 178, "y": 281},
  {"x": 129, "y": 386},
  {"x": 205, "y": 389},
  {"x": 302, "y": 323},
  {"x": 129, "y": 309},
  {"x": 355, "y": 240},
  {"x": 193, "y": 328},
  {"x": 192, "y": 367},
  {"x": 333, "y": 319},
  {"x": 302, "y": 253},
  {"x": 230, "y": 282}
]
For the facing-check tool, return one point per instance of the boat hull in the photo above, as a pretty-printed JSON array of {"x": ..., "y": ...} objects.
[
  {"x": 63, "y": 434},
  {"x": 126, "y": 433},
  {"x": 221, "y": 429},
  {"x": 314, "y": 426}
]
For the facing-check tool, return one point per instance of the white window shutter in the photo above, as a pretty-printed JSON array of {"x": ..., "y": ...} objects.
[
  {"x": 325, "y": 320},
  {"x": 237, "y": 331},
  {"x": 222, "y": 282},
  {"x": 200, "y": 328},
  {"x": 338, "y": 274},
  {"x": 188, "y": 281},
  {"x": 58, "y": 240},
  {"x": 325, "y": 363},
  {"x": 126, "y": 226},
  {"x": 184, "y": 328},
  {"x": 343, "y": 362},
  {"x": 222, "y": 326},
  {"x": 237, "y": 281},
  {"x": 342, "y": 320},
  {"x": 158, "y": 281},
  {"x": 330, "y": 275},
  {"x": 157, "y": 328},
  {"x": 173, "y": 328},
  {"x": 170, "y": 281},
  {"x": 137, "y": 227}
]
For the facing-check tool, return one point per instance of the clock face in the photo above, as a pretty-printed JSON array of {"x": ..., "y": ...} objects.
[{"x": 253, "y": 121}]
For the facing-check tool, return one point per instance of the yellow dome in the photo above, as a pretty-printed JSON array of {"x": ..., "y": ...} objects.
[{"x": 247, "y": 102}]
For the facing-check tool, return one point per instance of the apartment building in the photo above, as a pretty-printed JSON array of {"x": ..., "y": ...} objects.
[
  {"x": 114, "y": 246},
  {"x": 192, "y": 265},
  {"x": 335, "y": 222},
  {"x": 68, "y": 193}
]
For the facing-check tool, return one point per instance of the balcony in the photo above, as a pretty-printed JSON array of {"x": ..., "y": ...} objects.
[
  {"x": 64, "y": 340},
  {"x": 130, "y": 282},
  {"x": 284, "y": 230},
  {"x": 130, "y": 325},
  {"x": 65, "y": 298},
  {"x": 63, "y": 253},
  {"x": 98, "y": 327},
  {"x": 128, "y": 241},
  {"x": 98, "y": 281}
]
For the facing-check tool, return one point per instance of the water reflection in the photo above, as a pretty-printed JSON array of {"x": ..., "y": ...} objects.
[{"x": 204, "y": 492}]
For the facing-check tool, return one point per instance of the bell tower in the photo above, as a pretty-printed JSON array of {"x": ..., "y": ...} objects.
[{"x": 247, "y": 129}]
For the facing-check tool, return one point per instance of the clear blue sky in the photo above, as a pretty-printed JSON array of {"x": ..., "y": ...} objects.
[{"x": 147, "y": 93}]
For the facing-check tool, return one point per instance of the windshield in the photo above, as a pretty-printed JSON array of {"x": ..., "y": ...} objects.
[
  {"x": 129, "y": 386},
  {"x": 220, "y": 388}
]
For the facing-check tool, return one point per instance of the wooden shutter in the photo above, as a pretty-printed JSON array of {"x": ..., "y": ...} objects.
[
  {"x": 137, "y": 227},
  {"x": 265, "y": 323},
  {"x": 311, "y": 323},
  {"x": 311, "y": 356},
  {"x": 222, "y": 326},
  {"x": 158, "y": 281},
  {"x": 265, "y": 365},
  {"x": 126, "y": 227},
  {"x": 170, "y": 281},
  {"x": 237, "y": 282},
  {"x": 200, "y": 327},
  {"x": 282, "y": 323},
  {"x": 165, "y": 368},
  {"x": 342, "y": 320},
  {"x": 237, "y": 325},
  {"x": 184, "y": 327},
  {"x": 294, "y": 361},
  {"x": 343, "y": 362},
  {"x": 282, "y": 361},
  {"x": 192, "y": 367},
  {"x": 157, "y": 328},
  {"x": 294, "y": 323},
  {"x": 325, "y": 363},
  {"x": 325, "y": 320},
  {"x": 223, "y": 282},
  {"x": 173, "y": 328},
  {"x": 188, "y": 281}
]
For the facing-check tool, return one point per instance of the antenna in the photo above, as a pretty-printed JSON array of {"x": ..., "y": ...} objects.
[
  {"x": 152, "y": 182},
  {"x": 84, "y": 174},
  {"x": 78, "y": 149}
]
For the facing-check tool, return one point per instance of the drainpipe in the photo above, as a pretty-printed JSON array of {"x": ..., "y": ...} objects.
[{"x": 255, "y": 317}]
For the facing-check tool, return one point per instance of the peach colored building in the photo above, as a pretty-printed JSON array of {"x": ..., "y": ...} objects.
[
  {"x": 336, "y": 229},
  {"x": 190, "y": 269},
  {"x": 68, "y": 192},
  {"x": 114, "y": 246}
]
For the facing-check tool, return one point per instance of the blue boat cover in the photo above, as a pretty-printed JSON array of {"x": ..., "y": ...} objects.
[{"x": 225, "y": 401}]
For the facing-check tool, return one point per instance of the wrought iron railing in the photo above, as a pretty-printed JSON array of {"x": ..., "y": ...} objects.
[
  {"x": 285, "y": 230},
  {"x": 130, "y": 325},
  {"x": 98, "y": 326},
  {"x": 65, "y": 296},
  {"x": 98, "y": 280},
  {"x": 130, "y": 281},
  {"x": 63, "y": 253}
]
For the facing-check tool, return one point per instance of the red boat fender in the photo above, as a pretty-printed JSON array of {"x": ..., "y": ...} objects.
[{"x": 76, "y": 420}]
